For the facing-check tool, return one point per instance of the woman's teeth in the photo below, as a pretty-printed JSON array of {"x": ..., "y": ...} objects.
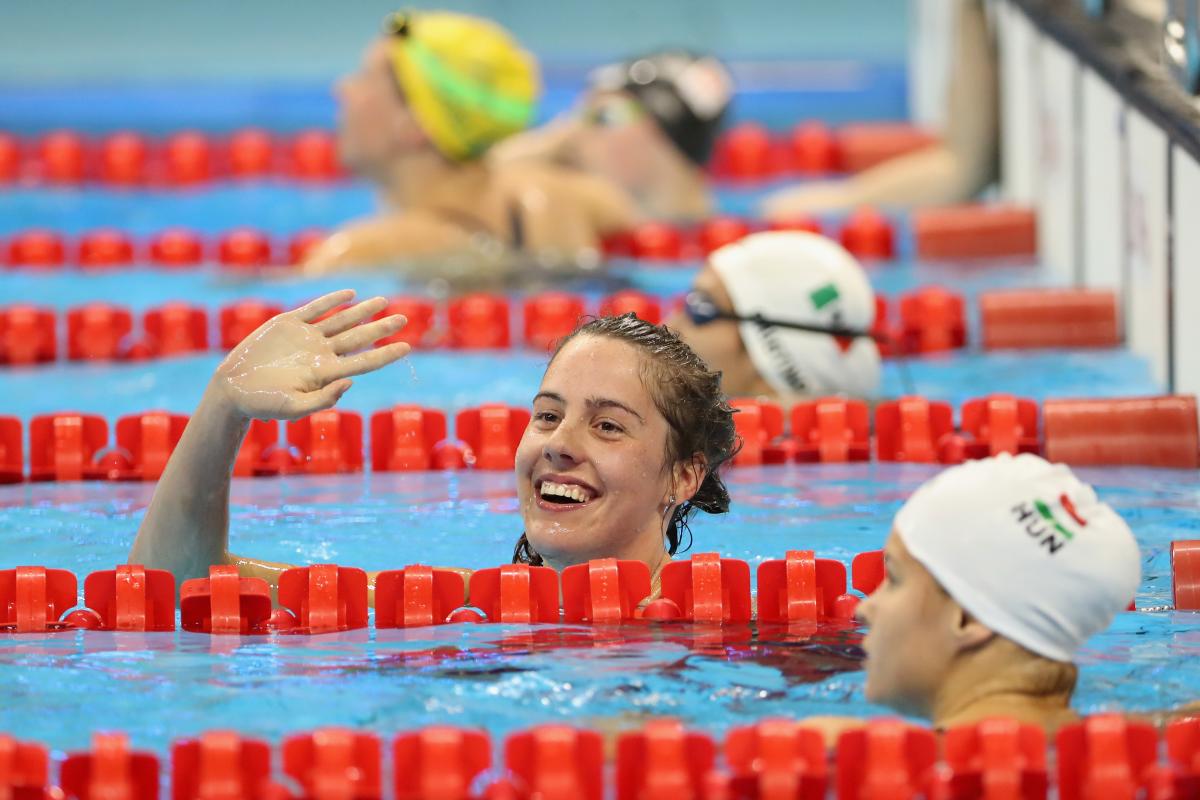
[{"x": 575, "y": 494}]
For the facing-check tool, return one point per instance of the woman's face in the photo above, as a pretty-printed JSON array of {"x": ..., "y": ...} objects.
[
  {"x": 911, "y": 636},
  {"x": 374, "y": 123},
  {"x": 718, "y": 342},
  {"x": 620, "y": 141},
  {"x": 591, "y": 474}
]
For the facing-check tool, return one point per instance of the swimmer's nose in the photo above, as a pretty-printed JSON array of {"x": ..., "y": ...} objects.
[
  {"x": 562, "y": 446},
  {"x": 862, "y": 611}
]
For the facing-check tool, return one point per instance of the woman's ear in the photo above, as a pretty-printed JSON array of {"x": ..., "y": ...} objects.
[
  {"x": 687, "y": 477},
  {"x": 970, "y": 633}
]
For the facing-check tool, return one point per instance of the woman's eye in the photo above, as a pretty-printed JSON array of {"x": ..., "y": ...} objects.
[
  {"x": 548, "y": 417},
  {"x": 611, "y": 427}
]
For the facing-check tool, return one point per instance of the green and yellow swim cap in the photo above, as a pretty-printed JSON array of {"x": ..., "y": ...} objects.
[{"x": 467, "y": 81}]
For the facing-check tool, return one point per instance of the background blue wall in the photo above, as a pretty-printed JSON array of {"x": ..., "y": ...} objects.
[{"x": 92, "y": 41}]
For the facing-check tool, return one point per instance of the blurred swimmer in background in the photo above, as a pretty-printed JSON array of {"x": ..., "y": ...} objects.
[
  {"x": 648, "y": 125},
  {"x": 784, "y": 315},
  {"x": 430, "y": 98}
]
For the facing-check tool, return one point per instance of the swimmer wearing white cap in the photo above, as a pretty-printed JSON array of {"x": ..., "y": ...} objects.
[
  {"x": 997, "y": 572},
  {"x": 784, "y": 314}
]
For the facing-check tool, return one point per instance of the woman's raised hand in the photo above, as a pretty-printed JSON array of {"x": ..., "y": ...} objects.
[{"x": 292, "y": 365}]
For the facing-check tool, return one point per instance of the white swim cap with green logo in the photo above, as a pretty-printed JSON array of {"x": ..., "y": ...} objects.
[
  {"x": 794, "y": 276},
  {"x": 1026, "y": 548}
]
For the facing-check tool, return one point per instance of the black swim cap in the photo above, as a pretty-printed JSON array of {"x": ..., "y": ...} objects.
[{"x": 685, "y": 93}]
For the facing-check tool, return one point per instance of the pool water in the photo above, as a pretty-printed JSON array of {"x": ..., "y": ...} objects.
[{"x": 58, "y": 688}]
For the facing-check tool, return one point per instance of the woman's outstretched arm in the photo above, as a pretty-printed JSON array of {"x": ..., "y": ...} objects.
[{"x": 290, "y": 367}]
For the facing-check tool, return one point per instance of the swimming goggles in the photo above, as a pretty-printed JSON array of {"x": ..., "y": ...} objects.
[
  {"x": 701, "y": 309},
  {"x": 612, "y": 112}
]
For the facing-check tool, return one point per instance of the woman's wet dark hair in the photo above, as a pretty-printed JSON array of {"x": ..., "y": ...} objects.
[{"x": 688, "y": 394}]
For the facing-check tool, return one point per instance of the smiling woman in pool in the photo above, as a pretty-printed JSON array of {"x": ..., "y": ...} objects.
[{"x": 629, "y": 429}]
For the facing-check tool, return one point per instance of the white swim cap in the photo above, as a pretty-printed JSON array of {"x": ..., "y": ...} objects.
[
  {"x": 795, "y": 276},
  {"x": 1026, "y": 548}
]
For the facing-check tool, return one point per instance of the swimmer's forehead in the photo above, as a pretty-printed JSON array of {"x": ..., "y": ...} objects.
[{"x": 598, "y": 369}]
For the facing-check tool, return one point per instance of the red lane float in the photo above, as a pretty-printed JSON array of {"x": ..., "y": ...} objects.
[
  {"x": 865, "y": 145},
  {"x": 244, "y": 248},
  {"x": 335, "y": 763},
  {"x": 557, "y": 762},
  {"x": 663, "y": 760},
  {"x": 912, "y": 429},
  {"x": 148, "y": 439},
  {"x": 803, "y": 589},
  {"x": 1038, "y": 318},
  {"x": 887, "y": 758},
  {"x": 759, "y": 423},
  {"x": 658, "y": 241},
  {"x": 105, "y": 248},
  {"x": 516, "y": 593},
  {"x": 885, "y": 331},
  {"x": 479, "y": 322},
  {"x": 123, "y": 157},
  {"x": 220, "y": 765},
  {"x": 418, "y": 331},
  {"x": 24, "y": 770},
  {"x": 832, "y": 429},
  {"x": 417, "y": 596},
  {"x": 1105, "y": 756},
  {"x": 796, "y": 223},
  {"x": 329, "y": 442},
  {"x": 1185, "y": 575},
  {"x": 188, "y": 159},
  {"x": 777, "y": 758},
  {"x": 645, "y": 306},
  {"x": 707, "y": 588},
  {"x": 63, "y": 447},
  {"x": 403, "y": 438},
  {"x": 975, "y": 231},
  {"x": 997, "y": 757},
  {"x": 239, "y": 320},
  {"x": 61, "y": 157},
  {"x": 867, "y": 571},
  {"x": 551, "y": 317},
  {"x": 1145, "y": 431},
  {"x": 131, "y": 598},
  {"x": 493, "y": 433},
  {"x": 34, "y": 599},
  {"x": 10, "y": 158},
  {"x": 323, "y": 598},
  {"x": 869, "y": 235},
  {"x": 717, "y": 232},
  {"x": 176, "y": 247},
  {"x": 28, "y": 335},
  {"x": 438, "y": 761},
  {"x": 932, "y": 320},
  {"x": 12, "y": 454},
  {"x": 257, "y": 454},
  {"x": 98, "y": 332},
  {"x": 110, "y": 770},
  {"x": 1000, "y": 423},
  {"x": 251, "y": 153},
  {"x": 38, "y": 249},
  {"x": 604, "y": 590},
  {"x": 312, "y": 156},
  {"x": 175, "y": 329},
  {"x": 224, "y": 603},
  {"x": 814, "y": 149},
  {"x": 747, "y": 152},
  {"x": 301, "y": 245}
]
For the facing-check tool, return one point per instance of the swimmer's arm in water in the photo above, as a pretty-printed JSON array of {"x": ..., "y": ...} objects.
[
  {"x": 290, "y": 367},
  {"x": 950, "y": 172},
  {"x": 382, "y": 241}
]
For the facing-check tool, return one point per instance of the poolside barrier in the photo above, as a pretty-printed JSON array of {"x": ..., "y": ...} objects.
[{"x": 1101, "y": 757}]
